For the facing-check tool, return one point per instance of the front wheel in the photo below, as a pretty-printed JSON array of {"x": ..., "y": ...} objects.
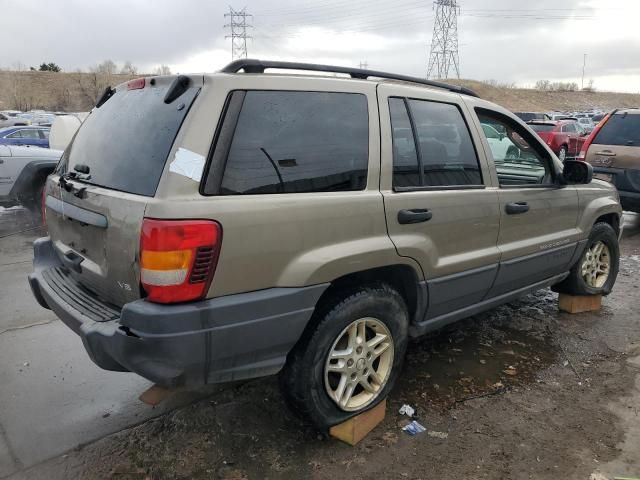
[
  {"x": 596, "y": 271},
  {"x": 349, "y": 358}
]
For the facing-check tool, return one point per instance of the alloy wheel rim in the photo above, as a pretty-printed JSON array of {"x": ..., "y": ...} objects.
[
  {"x": 358, "y": 364},
  {"x": 562, "y": 155},
  {"x": 596, "y": 265}
]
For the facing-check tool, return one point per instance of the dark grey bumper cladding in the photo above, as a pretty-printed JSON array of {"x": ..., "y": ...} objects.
[{"x": 222, "y": 339}]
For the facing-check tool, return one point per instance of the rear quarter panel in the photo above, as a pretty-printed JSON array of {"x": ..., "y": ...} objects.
[{"x": 281, "y": 240}]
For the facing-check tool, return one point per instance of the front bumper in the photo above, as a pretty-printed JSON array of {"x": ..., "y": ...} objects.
[{"x": 217, "y": 340}]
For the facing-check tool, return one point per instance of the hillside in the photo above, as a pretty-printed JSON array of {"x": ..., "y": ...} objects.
[
  {"x": 525, "y": 100},
  {"x": 78, "y": 92}
]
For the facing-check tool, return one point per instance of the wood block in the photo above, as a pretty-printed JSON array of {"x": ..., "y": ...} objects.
[
  {"x": 154, "y": 395},
  {"x": 356, "y": 428},
  {"x": 579, "y": 304}
]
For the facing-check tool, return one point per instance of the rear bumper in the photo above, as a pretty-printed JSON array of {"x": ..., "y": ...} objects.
[{"x": 222, "y": 339}]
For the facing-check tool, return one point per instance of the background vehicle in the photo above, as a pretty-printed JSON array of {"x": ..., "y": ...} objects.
[
  {"x": 23, "y": 171},
  {"x": 64, "y": 128},
  {"x": 26, "y": 136},
  {"x": 528, "y": 116},
  {"x": 587, "y": 124},
  {"x": 564, "y": 137},
  {"x": 10, "y": 121},
  {"x": 345, "y": 199},
  {"x": 613, "y": 148}
]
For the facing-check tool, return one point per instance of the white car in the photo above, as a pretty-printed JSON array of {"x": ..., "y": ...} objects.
[{"x": 23, "y": 171}]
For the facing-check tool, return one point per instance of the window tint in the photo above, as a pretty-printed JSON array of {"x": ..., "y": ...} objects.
[
  {"x": 16, "y": 134},
  {"x": 620, "y": 129},
  {"x": 517, "y": 162},
  {"x": 288, "y": 142},
  {"x": 405, "y": 159},
  {"x": 127, "y": 140},
  {"x": 445, "y": 147},
  {"x": 31, "y": 134}
]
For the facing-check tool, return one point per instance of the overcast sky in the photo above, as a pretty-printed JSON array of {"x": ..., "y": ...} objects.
[{"x": 507, "y": 40}]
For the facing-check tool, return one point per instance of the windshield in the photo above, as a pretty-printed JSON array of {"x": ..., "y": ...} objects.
[{"x": 126, "y": 141}]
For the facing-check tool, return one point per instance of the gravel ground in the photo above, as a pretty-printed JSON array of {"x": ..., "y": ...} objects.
[{"x": 520, "y": 392}]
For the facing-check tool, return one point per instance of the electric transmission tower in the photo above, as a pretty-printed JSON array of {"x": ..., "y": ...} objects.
[
  {"x": 444, "y": 45},
  {"x": 238, "y": 25},
  {"x": 364, "y": 65}
]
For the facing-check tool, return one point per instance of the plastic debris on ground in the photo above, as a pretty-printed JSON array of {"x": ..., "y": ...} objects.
[
  {"x": 440, "y": 435},
  {"x": 407, "y": 410},
  {"x": 413, "y": 428}
]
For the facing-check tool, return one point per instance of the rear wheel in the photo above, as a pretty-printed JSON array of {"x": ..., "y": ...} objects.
[
  {"x": 349, "y": 358},
  {"x": 596, "y": 271}
]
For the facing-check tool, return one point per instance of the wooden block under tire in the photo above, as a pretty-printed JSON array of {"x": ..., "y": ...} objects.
[
  {"x": 154, "y": 395},
  {"x": 579, "y": 304},
  {"x": 358, "y": 427}
]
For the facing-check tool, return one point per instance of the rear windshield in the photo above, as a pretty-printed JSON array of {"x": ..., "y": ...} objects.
[
  {"x": 620, "y": 129},
  {"x": 125, "y": 142},
  {"x": 541, "y": 127}
]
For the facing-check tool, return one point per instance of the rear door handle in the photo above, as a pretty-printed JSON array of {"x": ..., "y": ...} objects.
[
  {"x": 415, "y": 215},
  {"x": 516, "y": 207},
  {"x": 606, "y": 153}
]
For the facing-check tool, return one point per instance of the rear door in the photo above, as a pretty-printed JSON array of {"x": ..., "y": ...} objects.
[
  {"x": 95, "y": 221},
  {"x": 538, "y": 218},
  {"x": 439, "y": 204}
]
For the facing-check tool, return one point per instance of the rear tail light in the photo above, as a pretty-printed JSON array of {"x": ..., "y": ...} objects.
[
  {"x": 587, "y": 143},
  {"x": 178, "y": 258}
]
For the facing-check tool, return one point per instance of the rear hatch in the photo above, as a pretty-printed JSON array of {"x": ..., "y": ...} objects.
[
  {"x": 544, "y": 130},
  {"x": 110, "y": 170},
  {"x": 615, "y": 151}
]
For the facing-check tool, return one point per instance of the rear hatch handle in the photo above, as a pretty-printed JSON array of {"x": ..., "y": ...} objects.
[
  {"x": 72, "y": 261},
  {"x": 606, "y": 153}
]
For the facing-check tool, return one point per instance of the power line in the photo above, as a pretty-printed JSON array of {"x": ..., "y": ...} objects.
[
  {"x": 238, "y": 25},
  {"x": 444, "y": 46}
]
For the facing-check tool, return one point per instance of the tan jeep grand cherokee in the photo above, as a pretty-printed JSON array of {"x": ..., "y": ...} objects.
[{"x": 221, "y": 227}]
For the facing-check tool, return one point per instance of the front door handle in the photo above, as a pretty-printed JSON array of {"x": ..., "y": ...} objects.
[
  {"x": 606, "y": 153},
  {"x": 516, "y": 207},
  {"x": 415, "y": 215}
]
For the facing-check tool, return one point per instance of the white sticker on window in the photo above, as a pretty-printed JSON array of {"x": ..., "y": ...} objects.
[{"x": 188, "y": 164}]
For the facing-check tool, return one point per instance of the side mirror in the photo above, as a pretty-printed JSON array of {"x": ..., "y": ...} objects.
[{"x": 576, "y": 172}]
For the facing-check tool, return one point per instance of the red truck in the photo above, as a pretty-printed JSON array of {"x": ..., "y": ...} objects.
[{"x": 564, "y": 137}]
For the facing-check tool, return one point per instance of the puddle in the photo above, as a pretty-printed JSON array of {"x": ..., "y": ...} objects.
[{"x": 475, "y": 357}]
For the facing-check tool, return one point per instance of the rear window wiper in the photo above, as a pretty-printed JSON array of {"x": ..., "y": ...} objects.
[{"x": 81, "y": 172}]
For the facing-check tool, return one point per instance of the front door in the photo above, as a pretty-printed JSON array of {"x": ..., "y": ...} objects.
[
  {"x": 439, "y": 207},
  {"x": 538, "y": 216}
]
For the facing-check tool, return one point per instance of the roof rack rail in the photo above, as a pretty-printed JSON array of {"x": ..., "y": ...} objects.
[{"x": 258, "y": 66}]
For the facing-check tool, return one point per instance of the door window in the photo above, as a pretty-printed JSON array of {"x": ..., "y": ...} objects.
[
  {"x": 432, "y": 145},
  {"x": 291, "y": 142},
  {"x": 518, "y": 157}
]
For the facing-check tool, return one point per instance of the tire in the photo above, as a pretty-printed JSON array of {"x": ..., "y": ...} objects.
[
  {"x": 562, "y": 153},
  {"x": 575, "y": 283},
  {"x": 305, "y": 380}
]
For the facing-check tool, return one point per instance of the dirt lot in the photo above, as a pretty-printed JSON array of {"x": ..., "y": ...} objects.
[{"x": 520, "y": 392}]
